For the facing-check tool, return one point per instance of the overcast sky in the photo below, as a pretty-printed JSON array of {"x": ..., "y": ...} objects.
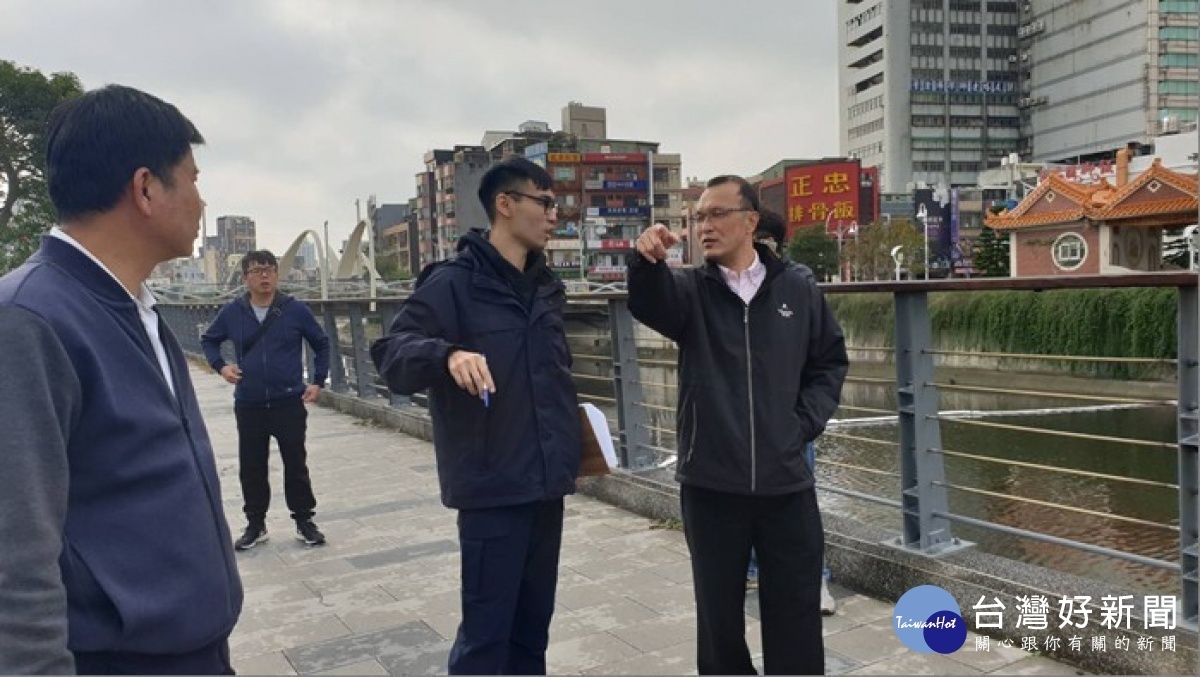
[{"x": 309, "y": 104}]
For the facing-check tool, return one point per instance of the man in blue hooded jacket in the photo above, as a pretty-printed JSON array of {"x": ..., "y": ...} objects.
[
  {"x": 483, "y": 333},
  {"x": 267, "y": 328}
]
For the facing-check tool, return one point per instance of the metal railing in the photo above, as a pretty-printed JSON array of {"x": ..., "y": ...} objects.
[{"x": 629, "y": 372}]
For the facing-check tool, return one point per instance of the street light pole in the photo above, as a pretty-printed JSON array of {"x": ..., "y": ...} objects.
[
  {"x": 898, "y": 257},
  {"x": 325, "y": 266},
  {"x": 839, "y": 243},
  {"x": 923, "y": 215},
  {"x": 583, "y": 250}
]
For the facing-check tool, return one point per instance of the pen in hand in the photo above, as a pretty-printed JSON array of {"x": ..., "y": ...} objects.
[{"x": 485, "y": 398}]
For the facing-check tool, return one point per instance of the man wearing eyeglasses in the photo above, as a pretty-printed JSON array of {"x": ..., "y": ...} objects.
[
  {"x": 483, "y": 333},
  {"x": 761, "y": 366},
  {"x": 266, "y": 328}
]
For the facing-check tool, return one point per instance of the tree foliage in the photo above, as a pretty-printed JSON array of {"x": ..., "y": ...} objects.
[
  {"x": 26, "y": 99},
  {"x": 870, "y": 253},
  {"x": 812, "y": 247},
  {"x": 1115, "y": 322},
  {"x": 990, "y": 254}
]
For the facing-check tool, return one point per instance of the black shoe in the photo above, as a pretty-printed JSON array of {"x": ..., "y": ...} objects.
[
  {"x": 309, "y": 533},
  {"x": 252, "y": 536}
]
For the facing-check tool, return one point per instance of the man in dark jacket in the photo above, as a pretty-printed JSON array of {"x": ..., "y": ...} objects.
[
  {"x": 484, "y": 334},
  {"x": 267, "y": 328},
  {"x": 115, "y": 555},
  {"x": 761, "y": 366}
]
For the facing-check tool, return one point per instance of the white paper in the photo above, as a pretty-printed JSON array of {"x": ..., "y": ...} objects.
[{"x": 600, "y": 430}]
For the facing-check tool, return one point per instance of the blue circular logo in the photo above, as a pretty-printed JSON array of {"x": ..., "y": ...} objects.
[{"x": 928, "y": 620}]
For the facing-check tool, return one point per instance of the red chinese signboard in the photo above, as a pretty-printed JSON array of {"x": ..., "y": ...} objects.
[
  {"x": 822, "y": 193},
  {"x": 614, "y": 158}
]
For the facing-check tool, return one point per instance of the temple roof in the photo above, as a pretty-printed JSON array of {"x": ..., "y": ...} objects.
[{"x": 1157, "y": 197}]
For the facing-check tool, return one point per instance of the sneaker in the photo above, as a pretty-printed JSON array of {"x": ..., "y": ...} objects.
[
  {"x": 828, "y": 603},
  {"x": 252, "y": 536},
  {"x": 309, "y": 533}
]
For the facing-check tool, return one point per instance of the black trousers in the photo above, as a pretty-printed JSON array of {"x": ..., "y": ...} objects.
[
  {"x": 210, "y": 660},
  {"x": 785, "y": 532},
  {"x": 288, "y": 424},
  {"x": 509, "y": 577}
]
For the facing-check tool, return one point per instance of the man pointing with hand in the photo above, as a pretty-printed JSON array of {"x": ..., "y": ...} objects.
[
  {"x": 506, "y": 427},
  {"x": 761, "y": 366}
]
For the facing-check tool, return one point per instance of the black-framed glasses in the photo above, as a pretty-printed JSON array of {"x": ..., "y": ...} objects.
[
  {"x": 260, "y": 271},
  {"x": 718, "y": 213},
  {"x": 548, "y": 203}
]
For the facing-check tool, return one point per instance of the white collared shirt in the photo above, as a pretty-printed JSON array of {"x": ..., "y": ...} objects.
[
  {"x": 145, "y": 304},
  {"x": 746, "y": 283}
]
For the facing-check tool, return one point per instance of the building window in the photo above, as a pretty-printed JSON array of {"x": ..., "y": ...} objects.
[
  {"x": 564, "y": 173},
  {"x": 1070, "y": 251}
]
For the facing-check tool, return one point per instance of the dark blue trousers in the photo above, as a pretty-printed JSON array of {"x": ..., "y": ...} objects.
[{"x": 509, "y": 576}]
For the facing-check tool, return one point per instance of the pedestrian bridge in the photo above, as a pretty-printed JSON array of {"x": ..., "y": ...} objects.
[{"x": 934, "y": 473}]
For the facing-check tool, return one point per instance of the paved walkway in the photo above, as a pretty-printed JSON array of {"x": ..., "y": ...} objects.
[{"x": 382, "y": 596}]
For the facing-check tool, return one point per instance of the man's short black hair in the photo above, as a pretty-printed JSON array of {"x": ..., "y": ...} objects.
[
  {"x": 510, "y": 174},
  {"x": 745, "y": 190},
  {"x": 263, "y": 257},
  {"x": 771, "y": 226},
  {"x": 96, "y": 142}
]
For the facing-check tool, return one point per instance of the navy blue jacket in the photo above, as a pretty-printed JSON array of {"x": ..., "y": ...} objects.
[
  {"x": 525, "y": 445},
  {"x": 115, "y": 485},
  {"x": 273, "y": 371}
]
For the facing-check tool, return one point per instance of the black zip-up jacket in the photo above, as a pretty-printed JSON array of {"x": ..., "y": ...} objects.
[
  {"x": 525, "y": 445},
  {"x": 757, "y": 381}
]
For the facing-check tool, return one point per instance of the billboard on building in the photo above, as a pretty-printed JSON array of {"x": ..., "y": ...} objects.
[
  {"x": 932, "y": 217},
  {"x": 825, "y": 193}
]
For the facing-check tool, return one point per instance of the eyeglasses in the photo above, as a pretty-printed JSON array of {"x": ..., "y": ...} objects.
[
  {"x": 718, "y": 213},
  {"x": 260, "y": 271},
  {"x": 548, "y": 204}
]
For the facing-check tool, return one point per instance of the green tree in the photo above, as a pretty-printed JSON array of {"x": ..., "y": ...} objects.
[
  {"x": 562, "y": 142},
  {"x": 990, "y": 255},
  {"x": 815, "y": 249},
  {"x": 870, "y": 254},
  {"x": 26, "y": 99},
  {"x": 391, "y": 267}
]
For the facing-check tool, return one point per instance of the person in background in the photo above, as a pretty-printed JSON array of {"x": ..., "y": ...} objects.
[
  {"x": 267, "y": 329},
  {"x": 771, "y": 232}
]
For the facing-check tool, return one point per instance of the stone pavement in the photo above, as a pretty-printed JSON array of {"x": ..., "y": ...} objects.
[{"x": 382, "y": 596}]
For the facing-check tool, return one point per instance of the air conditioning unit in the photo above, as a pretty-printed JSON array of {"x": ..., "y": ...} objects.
[
  {"x": 1027, "y": 7},
  {"x": 1024, "y": 57},
  {"x": 1012, "y": 58}
]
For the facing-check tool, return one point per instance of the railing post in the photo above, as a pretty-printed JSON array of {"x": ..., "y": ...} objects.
[
  {"x": 922, "y": 475},
  {"x": 388, "y": 310},
  {"x": 358, "y": 343},
  {"x": 1188, "y": 341},
  {"x": 631, "y": 417},
  {"x": 337, "y": 369}
]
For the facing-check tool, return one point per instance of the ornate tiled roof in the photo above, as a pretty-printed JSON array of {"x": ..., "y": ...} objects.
[{"x": 1158, "y": 196}]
